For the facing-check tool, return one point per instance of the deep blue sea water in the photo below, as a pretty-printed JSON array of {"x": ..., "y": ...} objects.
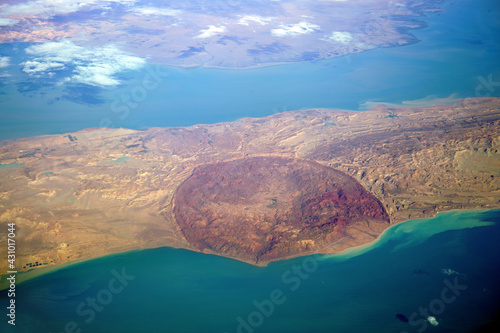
[
  {"x": 460, "y": 46},
  {"x": 445, "y": 266},
  {"x": 182, "y": 291}
]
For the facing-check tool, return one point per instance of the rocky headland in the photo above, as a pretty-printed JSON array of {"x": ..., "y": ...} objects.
[{"x": 257, "y": 190}]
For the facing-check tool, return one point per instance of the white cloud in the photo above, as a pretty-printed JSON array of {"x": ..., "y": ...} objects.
[
  {"x": 6, "y": 21},
  {"x": 94, "y": 66},
  {"x": 349, "y": 40},
  {"x": 301, "y": 28},
  {"x": 38, "y": 68},
  {"x": 245, "y": 20},
  {"x": 155, "y": 11},
  {"x": 341, "y": 37},
  {"x": 212, "y": 30},
  {"x": 50, "y": 8},
  {"x": 4, "y": 61}
]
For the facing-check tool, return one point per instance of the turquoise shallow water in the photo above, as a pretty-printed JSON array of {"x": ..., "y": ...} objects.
[
  {"x": 10, "y": 165},
  {"x": 361, "y": 291},
  {"x": 171, "y": 290}
]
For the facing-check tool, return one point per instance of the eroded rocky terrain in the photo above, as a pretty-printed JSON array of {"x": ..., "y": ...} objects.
[
  {"x": 265, "y": 208},
  {"x": 257, "y": 190}
]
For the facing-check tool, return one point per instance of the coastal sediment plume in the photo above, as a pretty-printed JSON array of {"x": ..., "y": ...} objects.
[{"x": 257, "y": 190}]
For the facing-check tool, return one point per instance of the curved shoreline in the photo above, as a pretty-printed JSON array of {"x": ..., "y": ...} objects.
[
  {"x": 22, "y": 277},
  {"x": 404, "y": 227}
]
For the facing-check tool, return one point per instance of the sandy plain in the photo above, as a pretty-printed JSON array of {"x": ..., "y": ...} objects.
[{"x": 271, "y": 188}]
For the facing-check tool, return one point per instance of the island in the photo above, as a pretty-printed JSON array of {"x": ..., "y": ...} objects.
[{"x": 256, "y": 190}]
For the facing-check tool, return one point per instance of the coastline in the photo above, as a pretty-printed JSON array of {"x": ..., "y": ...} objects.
[
  {"x": 22, "y": 277},
  {"x": 411, "y": 40},
  {"x": 372, "y": 107},
  {"x": 35, "y": 272},
  {"x": 403, "y": 228},
  {"x": 404, "y": 196}
]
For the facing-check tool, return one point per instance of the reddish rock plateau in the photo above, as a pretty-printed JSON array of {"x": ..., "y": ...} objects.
[{"x": 264, "y": 208}]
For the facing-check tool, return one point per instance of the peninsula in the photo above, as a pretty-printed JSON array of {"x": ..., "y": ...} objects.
[{"x": 257, "y": 190}]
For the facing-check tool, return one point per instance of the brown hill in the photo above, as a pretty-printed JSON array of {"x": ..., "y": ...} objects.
[
  {"x": 265, "y": 208},
  {"x": 257, "y": 190}
]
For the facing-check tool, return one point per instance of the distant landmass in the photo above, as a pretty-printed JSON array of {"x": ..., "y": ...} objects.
[
  {"x": 209, "y": 33},
  {"x": 257, "y": 190}
]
